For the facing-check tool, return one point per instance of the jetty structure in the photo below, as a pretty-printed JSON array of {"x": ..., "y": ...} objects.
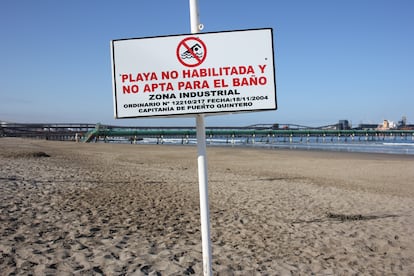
[{"x": 268, "y": 133}]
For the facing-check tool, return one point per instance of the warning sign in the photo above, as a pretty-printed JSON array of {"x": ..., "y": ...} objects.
[
  {"x": 193, "y": 74},
  {"x": 191, "y": 52}
]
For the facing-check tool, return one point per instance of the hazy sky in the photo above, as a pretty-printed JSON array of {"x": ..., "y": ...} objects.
[{"x": 335, "y": 59}]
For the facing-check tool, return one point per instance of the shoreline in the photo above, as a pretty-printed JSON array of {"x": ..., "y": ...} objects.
[
  {"x": 122, "y": 209},
  {"x": 364, "y": 147},
  {"x": 316, "y": 150}
]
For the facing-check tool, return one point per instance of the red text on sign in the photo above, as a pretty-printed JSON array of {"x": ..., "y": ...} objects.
[
  {"x": 128, "y": 89},
  {"x": 166, "y": 75},
  {"x": 150, "y": 76},
  {"x": 163, "y": 86},
  {"x": 220, "y": 71},
  {"x": 185, "y": 85},
  {"x": 252, "y": 81},
  {"x": 218, "y": 83},
  {"x": 262, "y": 68}
]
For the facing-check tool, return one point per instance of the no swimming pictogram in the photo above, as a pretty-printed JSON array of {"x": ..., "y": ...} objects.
[{"x": 191, "y": 51}]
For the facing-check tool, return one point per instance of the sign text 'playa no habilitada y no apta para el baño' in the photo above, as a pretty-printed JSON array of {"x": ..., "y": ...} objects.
[{"x": 204, "y": 73}]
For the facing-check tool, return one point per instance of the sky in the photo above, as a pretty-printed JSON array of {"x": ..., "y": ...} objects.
[{"x": 335, "y": 59}]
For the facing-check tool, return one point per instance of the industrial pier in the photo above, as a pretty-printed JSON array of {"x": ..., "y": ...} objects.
[{"x": 263, "y": 132}]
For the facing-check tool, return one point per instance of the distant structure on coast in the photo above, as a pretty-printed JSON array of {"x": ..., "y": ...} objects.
[
  {"x": 346, "y": 125},
  {"x": 389, "y": 125}
]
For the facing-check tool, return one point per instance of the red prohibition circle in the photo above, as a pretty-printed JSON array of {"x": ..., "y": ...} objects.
[{"x": 188, "y": 49}]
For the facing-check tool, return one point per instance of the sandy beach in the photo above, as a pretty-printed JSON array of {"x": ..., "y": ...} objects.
[{"x": 118, "y": 209}]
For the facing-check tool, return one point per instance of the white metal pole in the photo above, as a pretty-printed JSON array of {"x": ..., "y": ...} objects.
[
  {"x": 194, "y": 17},
  {"x": 202, "y": 165},
  {"x": 203, "y": 187}
]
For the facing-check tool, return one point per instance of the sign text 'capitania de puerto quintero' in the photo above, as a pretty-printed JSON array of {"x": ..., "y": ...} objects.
[{"x": 194, "y": 74}]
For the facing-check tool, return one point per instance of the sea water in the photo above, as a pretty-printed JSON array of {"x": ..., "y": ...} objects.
[{"x": 389, "y": 145}]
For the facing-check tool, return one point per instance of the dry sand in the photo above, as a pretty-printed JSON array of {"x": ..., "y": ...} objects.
[{"x": 91, "y": 209}]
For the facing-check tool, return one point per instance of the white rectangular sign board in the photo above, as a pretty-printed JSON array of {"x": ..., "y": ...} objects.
[{"x": 194, "y": 74}]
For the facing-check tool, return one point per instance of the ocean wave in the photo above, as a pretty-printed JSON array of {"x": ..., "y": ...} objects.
[{"x": 188, "y": 55}]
